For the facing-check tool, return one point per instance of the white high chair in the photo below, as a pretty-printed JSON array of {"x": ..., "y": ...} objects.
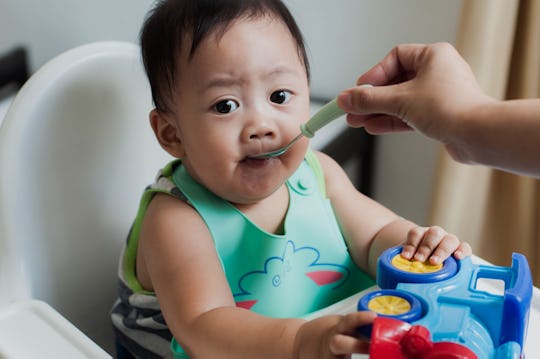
[{"x": 76, "y": 152}]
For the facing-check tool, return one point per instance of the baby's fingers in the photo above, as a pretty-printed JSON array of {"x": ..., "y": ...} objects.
[
  {"x": 464, "y": 250},
  {"x": 448, "y": 244},
  {"x": 346, "y": 340},
  {"x": 414, "y": 237},
  {"x": 341, "y": 344},
  {"x": 432, "y": 243},
  {"x": 350, "y": 322}
]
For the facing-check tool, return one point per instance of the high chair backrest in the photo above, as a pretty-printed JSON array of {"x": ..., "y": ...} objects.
[{"x": 76, "y": 152}]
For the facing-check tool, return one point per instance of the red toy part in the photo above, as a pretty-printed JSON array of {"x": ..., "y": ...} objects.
[
  {"x": 386, "y": 337},
  {"x": 416, "y": 342},
  {"x": 449, "y": 350},
  {"x": 392, "y": 338}
]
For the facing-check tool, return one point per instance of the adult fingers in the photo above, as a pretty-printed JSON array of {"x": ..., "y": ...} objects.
[
  {"x": 363, "y": 100},
  {"x": 395, "y": 67}
]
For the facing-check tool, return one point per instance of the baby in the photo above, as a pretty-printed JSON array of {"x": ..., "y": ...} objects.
[{"x": 228, "y": 252}]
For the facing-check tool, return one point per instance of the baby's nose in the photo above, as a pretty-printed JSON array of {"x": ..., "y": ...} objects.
[
  {"x": 262, "y": 132},
  {"x": 258, "y": 131}
]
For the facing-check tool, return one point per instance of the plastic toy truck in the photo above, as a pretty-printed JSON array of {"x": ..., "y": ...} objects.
[{"x": 428, "y": 312}]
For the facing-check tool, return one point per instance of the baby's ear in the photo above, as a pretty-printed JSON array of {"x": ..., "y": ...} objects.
[{"x": 166, "y": 133}]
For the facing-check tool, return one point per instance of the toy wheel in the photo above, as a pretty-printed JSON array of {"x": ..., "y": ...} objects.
[
  {"x": 392, "y": 304},
  {"x": 393, "y": 269}
]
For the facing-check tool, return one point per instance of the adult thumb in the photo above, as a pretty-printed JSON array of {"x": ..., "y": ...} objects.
[{"x": 367, "y": 100}]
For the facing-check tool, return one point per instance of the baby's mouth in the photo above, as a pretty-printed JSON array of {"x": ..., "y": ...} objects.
[
  {"x": 253, "y": 160},
  {"x": 269, "y": 154}
]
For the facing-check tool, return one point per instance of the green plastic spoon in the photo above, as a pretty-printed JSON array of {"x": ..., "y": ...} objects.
[{"x": 324, "y": 116}]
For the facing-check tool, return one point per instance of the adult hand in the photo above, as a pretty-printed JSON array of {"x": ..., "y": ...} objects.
[{"x": 424, "y": 87}]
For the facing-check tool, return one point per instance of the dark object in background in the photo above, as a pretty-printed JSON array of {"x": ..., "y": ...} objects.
[
  {"x": 13, "y": 71},
  {"x": 357, "y": 147}
]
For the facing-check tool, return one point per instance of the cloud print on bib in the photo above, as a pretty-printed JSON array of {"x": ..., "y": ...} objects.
[{"x": 298, "y": 273}]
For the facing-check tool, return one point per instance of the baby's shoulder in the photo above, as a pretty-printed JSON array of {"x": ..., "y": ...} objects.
[
  {"x": 165, "y": 205},
  {"x": 170, "y": 219},
  {"x": 166, "y": 211}
]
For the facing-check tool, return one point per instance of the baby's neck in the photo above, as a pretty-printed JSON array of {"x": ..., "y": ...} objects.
[{"x": 269, "y": 214}]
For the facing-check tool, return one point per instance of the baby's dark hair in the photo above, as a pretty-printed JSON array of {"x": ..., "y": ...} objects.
[{"x": 173, "y": 22}]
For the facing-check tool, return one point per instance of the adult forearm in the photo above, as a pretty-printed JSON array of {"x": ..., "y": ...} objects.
[{"x": 501, "y": 134}]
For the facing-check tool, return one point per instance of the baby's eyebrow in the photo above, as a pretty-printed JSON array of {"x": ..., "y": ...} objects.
[
  {"x": 280, "y": 70},
  {"x": 232, "y": 81},
  {"x": 222, "y": 82}
]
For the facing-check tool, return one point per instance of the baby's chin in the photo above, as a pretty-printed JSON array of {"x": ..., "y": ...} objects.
[{"x": 253, "y": 194}]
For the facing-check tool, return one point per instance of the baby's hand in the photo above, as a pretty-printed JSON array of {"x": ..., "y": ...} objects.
[
  {"x": 433, "y": 244},
  {"x": 333, "y": 336},
  {"x": 346, "y": 340}
]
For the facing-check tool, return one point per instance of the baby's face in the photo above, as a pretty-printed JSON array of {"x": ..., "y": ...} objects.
[{"x": 242, "y": 94}]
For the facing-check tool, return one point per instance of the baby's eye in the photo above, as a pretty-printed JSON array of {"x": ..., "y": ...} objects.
[
  {"x": 226, "y": 106},
  {"x": 280, "y": 96}
]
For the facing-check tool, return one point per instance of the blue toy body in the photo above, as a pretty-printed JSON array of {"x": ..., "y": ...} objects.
[{"x": 453, "y": 309}]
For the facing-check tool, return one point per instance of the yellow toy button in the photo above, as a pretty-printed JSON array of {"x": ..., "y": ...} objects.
[
  {"x": 414, "y": 266},
  {"x": 389, "y": 305}
]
